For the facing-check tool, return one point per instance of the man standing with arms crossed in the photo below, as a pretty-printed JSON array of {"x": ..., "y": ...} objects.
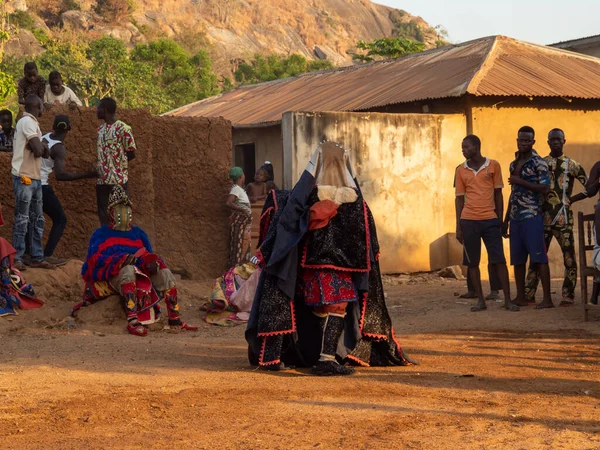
[
  {"x": 557, "y": 215},
  {"x": 26, "y": 165},
  {"x": 530, "y": 181},
  {"x": 116, "y": 147},
  {"x": 479, "y": 210}
]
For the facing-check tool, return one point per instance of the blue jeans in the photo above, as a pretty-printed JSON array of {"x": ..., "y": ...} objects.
[
  {"x": 53, "y": 209},
  {"x": 29, "y": 213}
]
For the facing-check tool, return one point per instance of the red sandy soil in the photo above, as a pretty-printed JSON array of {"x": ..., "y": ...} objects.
[{"x": 490, "y": 380}]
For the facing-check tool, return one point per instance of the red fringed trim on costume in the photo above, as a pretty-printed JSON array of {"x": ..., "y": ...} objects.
[
  {"x": 262, "y": 355},
  {"x": 268, "y": 210},
  {"x": 329, "y": 266},
  {"x": 358, "y": 361},
  {"x": 344, "y": 269},
  {"x": 363, "y": 306},
  {"x": 398, "y": 346},
  {"x": 277, "y": 333},
  {"x": 263, "y": 226},
  {"x": 363, "y": 309}
]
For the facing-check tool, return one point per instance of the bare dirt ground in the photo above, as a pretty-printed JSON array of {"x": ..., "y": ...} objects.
[{"x": 489, "y": 380}]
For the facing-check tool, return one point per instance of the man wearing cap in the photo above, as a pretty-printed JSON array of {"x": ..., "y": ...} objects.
[{"x": 56, "y": 163}]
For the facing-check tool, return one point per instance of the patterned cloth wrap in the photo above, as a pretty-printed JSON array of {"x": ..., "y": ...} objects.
[
  {"x": 107, "y": 252},
  {"x": 232, "y": 296},
  {"x": 14, "y": 292}
]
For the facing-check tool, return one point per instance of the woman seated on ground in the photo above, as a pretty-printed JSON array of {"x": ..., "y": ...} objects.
[{"x": 262, "y": 185}]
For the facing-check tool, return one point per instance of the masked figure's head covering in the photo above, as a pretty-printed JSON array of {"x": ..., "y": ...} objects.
[
  {"x": 119, "y": 209},
  {"x": 331, "y": 166}
]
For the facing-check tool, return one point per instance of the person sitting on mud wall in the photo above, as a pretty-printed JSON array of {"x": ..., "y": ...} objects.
[
  {"x": 120, "y": 261},
  {"x": 31, "y": 83},
  {"x": 59, "y": 94}
]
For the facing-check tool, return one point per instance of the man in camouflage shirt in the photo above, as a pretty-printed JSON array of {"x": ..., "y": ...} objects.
[{"x": 557, "y": 214}]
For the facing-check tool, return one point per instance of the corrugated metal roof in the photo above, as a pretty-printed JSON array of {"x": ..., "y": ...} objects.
[
  {"x": 573, "y": 41},
  {"x": 495, "y": 65}
]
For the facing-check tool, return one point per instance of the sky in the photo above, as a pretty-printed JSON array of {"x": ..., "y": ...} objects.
[{"x": 538, "y": 21}]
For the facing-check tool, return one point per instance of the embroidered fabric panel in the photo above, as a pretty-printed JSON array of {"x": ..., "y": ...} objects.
[
  {"x": 343, "y": 244},
  {"x": 327, "y": 287}
]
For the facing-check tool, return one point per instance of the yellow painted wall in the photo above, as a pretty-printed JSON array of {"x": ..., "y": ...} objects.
[
  {"x": 405, "y": 164},
  {"x": 498, "y": 127}
]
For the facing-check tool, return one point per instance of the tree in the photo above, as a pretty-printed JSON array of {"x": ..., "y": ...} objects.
[
  {"x": 7, "y": 82},
  {"x": 112, "y": 73},
  {"x": 184, "y": 79},
  {"x": 273, "y": 67},
  {"x": 387, "y": 48}
]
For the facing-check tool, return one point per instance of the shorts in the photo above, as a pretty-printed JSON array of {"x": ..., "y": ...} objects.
[
  {"x": 474, "y": 231},
  {"x": 527, "y": 240}
]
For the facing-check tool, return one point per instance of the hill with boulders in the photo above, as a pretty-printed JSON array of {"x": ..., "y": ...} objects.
[{"x": 231, "y": 30}]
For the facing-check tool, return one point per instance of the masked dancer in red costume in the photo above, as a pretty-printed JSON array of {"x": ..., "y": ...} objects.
[{"x": 120, "y": 261}]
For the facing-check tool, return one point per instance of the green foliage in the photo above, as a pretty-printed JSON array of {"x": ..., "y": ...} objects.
[
  {"x": 143, "y": 28},
  {"x": 71, "y": 5},
  {"x": 21, "y": 19},
  {"x": 227, "y": 85},
  {"x": 182, "y": 78},
  {"x": 273, "y": 67},
  {"x": 409, "y": 30},
  {"x": 319, "y": 64},
  {"x": 387, "y": 48},
  {"x": 115, "y": 10},
  {"x": 7, "y": 87}
]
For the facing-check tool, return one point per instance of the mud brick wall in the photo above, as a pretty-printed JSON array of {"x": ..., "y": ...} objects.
[{"x": 178, "y": 184}]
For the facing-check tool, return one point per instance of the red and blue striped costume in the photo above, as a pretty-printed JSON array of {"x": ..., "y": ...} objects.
[{"x": 109, "y": 249}]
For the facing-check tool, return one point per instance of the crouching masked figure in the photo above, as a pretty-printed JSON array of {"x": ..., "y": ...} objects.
[
  {"x": 320, "y": 300},
  {"x": 120, "y": 261}
]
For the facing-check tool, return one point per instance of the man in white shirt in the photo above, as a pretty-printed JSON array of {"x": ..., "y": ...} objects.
[
  {"x": 57, "y": 93},
  {"x": 28, "y": 150}
]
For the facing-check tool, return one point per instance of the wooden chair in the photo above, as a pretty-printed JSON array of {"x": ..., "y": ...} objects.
[{"x": 585, "y": 224}]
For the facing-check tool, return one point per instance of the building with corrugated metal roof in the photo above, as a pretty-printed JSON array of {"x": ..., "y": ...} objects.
[
  {"x": 405, "y": 119},
  {"x": 589, "y": 45}
]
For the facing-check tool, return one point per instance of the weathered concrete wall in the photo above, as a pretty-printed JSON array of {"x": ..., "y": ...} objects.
[
  {"x": 405, "y": 164},
  {"x": 267, "y": 145},
  {"x": 498, "y": 127},
  {"x": 178, "y": 183}
]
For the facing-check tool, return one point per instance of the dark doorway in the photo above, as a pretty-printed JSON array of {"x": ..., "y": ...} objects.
[{"x": 244, "y": 156}]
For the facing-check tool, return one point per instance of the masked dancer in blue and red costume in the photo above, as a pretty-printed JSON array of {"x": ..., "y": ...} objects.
[
  {"x": 320, "y": 300},
  {"x": 120, "y": 261}
]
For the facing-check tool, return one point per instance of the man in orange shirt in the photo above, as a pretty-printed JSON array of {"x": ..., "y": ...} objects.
[{"x": 479, "y": 212}]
